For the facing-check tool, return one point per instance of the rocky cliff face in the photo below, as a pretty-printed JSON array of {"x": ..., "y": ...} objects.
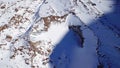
[{"x": 59, "y": 34}]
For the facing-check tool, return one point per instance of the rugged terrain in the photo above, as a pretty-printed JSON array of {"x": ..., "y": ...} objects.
[{"x": 59, "y": 34}]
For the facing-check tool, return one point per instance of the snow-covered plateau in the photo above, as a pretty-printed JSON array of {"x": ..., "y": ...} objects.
[{"x": 59, "y": 34}]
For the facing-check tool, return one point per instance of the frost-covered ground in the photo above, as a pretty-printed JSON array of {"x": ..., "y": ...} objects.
[{"x": 59, "y": 33}]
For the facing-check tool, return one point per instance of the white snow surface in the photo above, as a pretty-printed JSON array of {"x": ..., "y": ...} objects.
[{"x": 49, "y": 42}]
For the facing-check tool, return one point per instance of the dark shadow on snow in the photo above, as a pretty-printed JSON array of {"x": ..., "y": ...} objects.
[
  {"x": 108, "y": 55},
  {"x": 66, "y": 46},
  {"x": 64, "y": 49}
]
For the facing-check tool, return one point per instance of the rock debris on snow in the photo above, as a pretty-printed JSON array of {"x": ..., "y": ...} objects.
[{"x": 59, "y": 34}]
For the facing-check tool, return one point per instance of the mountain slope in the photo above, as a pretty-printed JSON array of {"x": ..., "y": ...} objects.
[{"x": 59, "y": 34}]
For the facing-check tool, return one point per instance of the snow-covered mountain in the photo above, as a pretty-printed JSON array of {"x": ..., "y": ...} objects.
[{"x": 59, "y": 33}]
